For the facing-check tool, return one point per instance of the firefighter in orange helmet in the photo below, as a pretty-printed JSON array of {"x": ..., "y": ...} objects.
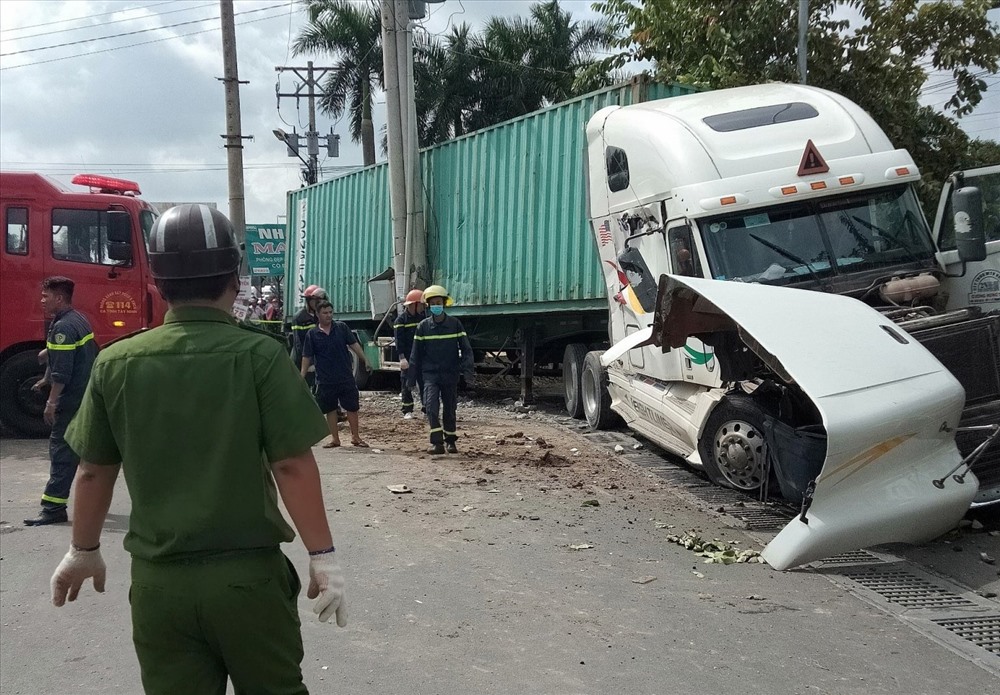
[{"x": 405, "y": 327}]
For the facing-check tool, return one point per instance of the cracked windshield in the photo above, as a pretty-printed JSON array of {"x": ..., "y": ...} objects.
[{"x": 795, "y": 243}]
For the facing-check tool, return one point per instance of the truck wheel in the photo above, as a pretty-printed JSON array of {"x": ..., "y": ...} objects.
[
  {"x": 21, "y": 408},
  {"x": 732, "y": 445},
  {"x": 594, "y": 392},
  {"x": 572, "y": 369},
  {"x": 361, "y": 375}
]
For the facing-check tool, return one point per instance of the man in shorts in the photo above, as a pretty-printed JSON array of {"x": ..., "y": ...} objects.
[{"x": 329, "y": 345}]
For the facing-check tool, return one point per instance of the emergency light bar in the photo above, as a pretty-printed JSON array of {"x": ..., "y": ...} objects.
[{"x": 107, "y": 184}]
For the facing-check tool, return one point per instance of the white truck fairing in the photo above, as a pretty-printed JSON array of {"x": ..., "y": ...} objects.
[{"x": 888, "y": 406}]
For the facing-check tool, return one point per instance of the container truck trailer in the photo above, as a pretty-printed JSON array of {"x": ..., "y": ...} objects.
[{"x": 552, "y": 236}]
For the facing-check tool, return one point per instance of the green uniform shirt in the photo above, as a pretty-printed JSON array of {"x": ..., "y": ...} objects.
[{"x": 194, "y": 411}]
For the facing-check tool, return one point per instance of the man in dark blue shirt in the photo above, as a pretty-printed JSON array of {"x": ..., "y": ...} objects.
[
  {"x": 441, "y": 353},
  {"x": 329, "y": 345},
  {"x": 405, "y": 328},
  {"x": 71, "y": 352}
]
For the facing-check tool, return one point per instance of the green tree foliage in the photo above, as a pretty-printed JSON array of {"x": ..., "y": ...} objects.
[
  {"x": 352, "y": 34},
  {"x": 881, "y": 64},
  {"x": 467, "y": 80}
]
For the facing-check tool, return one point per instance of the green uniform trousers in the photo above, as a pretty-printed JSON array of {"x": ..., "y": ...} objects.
[{"x": 196, "y": 624}]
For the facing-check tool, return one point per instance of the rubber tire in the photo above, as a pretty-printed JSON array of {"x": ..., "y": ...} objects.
[
  {"x": 361, "y": 375},
  {"x": 731, "y": 409},
  {"x": 572, "y": 369},
  {"x": 594, "y": 393},
  {"x": 19, "y": 373}
]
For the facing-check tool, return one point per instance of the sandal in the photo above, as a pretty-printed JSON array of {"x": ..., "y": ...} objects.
[
  {"x": 331, "y": 445},
  {"x": 360, "y": 443}
]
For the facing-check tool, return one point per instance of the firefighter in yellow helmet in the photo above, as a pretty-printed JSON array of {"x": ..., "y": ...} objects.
[
  {"x": 441, "y": 354},
  {"x": 405, "y": 328}
]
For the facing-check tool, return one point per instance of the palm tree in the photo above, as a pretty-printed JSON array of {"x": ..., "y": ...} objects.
[
  {"x": 563, "y": 49},
  {"x": 447, "y": 91},
  {"x": 352, "y": 35}
]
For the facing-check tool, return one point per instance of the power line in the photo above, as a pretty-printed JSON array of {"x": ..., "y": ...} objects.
[
  {"x": 133, "y": 33},
  {"x": 77, "y": 19},
  {"x": 113, "y": 21},
  {"x": 134, "y": 45}
]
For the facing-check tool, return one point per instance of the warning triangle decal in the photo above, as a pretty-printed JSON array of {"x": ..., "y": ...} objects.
[{"x": 812, "y": 161}]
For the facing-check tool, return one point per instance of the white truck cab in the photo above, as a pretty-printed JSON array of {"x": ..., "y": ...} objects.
[{"x": 781, "y": 315}]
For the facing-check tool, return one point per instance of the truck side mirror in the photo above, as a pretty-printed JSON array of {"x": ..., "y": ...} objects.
[
  {"x": 119, "y": 227},
  {"x": 967, "y": 207},
  {"x": 120, "y": 251}
]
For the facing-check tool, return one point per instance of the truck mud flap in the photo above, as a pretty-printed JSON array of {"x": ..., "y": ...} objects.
[{"x": 888, "y": 406}]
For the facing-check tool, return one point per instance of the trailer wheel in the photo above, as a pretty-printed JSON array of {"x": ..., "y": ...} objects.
[
  {"x": 572, "y": 369},
  {"x": 21, "y": 408},
  {"x": 594, "y": 391},
  {"x": 361, "y": 375},
  {"x": 732, "y": 445}
]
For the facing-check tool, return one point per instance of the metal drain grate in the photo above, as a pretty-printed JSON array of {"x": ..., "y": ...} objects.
[
  {"x": 983, "y": 631},
  {"x": 760, "y": 519},
  {"x": 605, "y": 437},
  {"x": 906, "y": 589},
  {"x": 854, "y": 557}
]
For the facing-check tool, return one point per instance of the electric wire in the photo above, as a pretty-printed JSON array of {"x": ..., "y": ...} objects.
[
  {"x": 113, "y": 21},
  {"x": 133, "y": 33},
  {"x": 89, "y": 16}
]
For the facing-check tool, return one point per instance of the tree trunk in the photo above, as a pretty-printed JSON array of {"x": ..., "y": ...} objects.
[{"x": 367, "y": 127}]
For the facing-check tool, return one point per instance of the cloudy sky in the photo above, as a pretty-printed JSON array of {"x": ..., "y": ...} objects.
[{"x": 130, "y": 88}]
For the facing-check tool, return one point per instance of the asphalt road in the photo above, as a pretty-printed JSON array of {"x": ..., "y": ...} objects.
[{"x": 469, "y": 585}]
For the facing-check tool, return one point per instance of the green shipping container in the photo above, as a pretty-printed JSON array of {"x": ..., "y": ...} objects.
[{"x": 505, "y": 214}]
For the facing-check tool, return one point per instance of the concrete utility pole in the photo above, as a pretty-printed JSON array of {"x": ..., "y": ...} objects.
[
  {"x": 803, "y": 31},
  {"x": 405, "y": 190},
  {"x": 234, "y": 135},
  {"x": 391, "y": 21},
  {"x": 311, "y": 77}
]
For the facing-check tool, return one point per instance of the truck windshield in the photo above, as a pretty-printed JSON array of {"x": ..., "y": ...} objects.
[
  {"x": 814, "y": 239},
  {"x": 146, "y": 219}
]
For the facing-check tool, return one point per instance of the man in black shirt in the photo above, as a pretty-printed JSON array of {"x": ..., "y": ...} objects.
[
  {"x": 329, "y": 345},
  {"x": 441, "y": 354}
]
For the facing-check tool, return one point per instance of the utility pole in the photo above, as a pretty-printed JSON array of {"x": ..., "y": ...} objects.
[
  {"x": 391, "y": 20},
  {"x": 803, "y": 31},
  {"x": 234, "y": 136},
  {"x": 409, "y": 244},
  {"x": 311, "y": 77}
]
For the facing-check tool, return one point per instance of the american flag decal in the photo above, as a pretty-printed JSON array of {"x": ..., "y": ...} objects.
[{"x": 604, "y": 233}]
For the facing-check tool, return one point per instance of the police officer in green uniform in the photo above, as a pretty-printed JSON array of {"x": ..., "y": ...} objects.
[
  {"x": 70, "y": 351},
  {"x": 210, "y": 422}
]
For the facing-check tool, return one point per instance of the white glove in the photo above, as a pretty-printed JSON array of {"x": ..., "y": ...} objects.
[
  {"x": 75, "y": 568},
  {"x": 326, "y": 581}
]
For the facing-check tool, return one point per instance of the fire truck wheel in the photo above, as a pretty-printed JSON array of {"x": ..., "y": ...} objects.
[
  {"x": 732, "y": 445},
  {"x": 20, "y": 407},
  {"x": 572, "y": 369},
  {"x": 595, "y": 396}
]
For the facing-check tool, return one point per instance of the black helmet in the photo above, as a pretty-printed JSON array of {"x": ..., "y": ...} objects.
[{"x": 192, "y": 241}]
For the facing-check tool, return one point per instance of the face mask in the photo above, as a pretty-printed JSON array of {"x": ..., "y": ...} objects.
[{"x": 437, "y": 310}]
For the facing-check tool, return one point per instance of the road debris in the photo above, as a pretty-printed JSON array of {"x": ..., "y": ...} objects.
[
  {"x": 644, "y": 580},
  {"x": 715, "y": 551},
  {"x": 590, "y": 503},
  {"x": 987, "y": 558},
  {"x": 398, "y": 489},
  {"x": 580, "y": 546}
]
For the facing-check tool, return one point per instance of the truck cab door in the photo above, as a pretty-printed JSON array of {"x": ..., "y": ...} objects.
[
  {"x": 980, "y": 285},
  {"x": 94, "y": 247}
]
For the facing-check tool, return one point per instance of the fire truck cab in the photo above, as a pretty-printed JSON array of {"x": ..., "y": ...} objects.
[{"x": 97, "y": 238}]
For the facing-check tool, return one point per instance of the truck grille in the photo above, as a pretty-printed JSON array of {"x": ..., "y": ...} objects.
[
  {"x": 971, "y": 351},
  {"x": 987, "y": 469}
]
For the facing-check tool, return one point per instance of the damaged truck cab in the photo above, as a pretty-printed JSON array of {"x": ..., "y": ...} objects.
[{"x": 782, "y": 316}]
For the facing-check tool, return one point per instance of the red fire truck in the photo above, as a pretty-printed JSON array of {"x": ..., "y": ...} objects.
[{"x": 97, "y": 238}]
